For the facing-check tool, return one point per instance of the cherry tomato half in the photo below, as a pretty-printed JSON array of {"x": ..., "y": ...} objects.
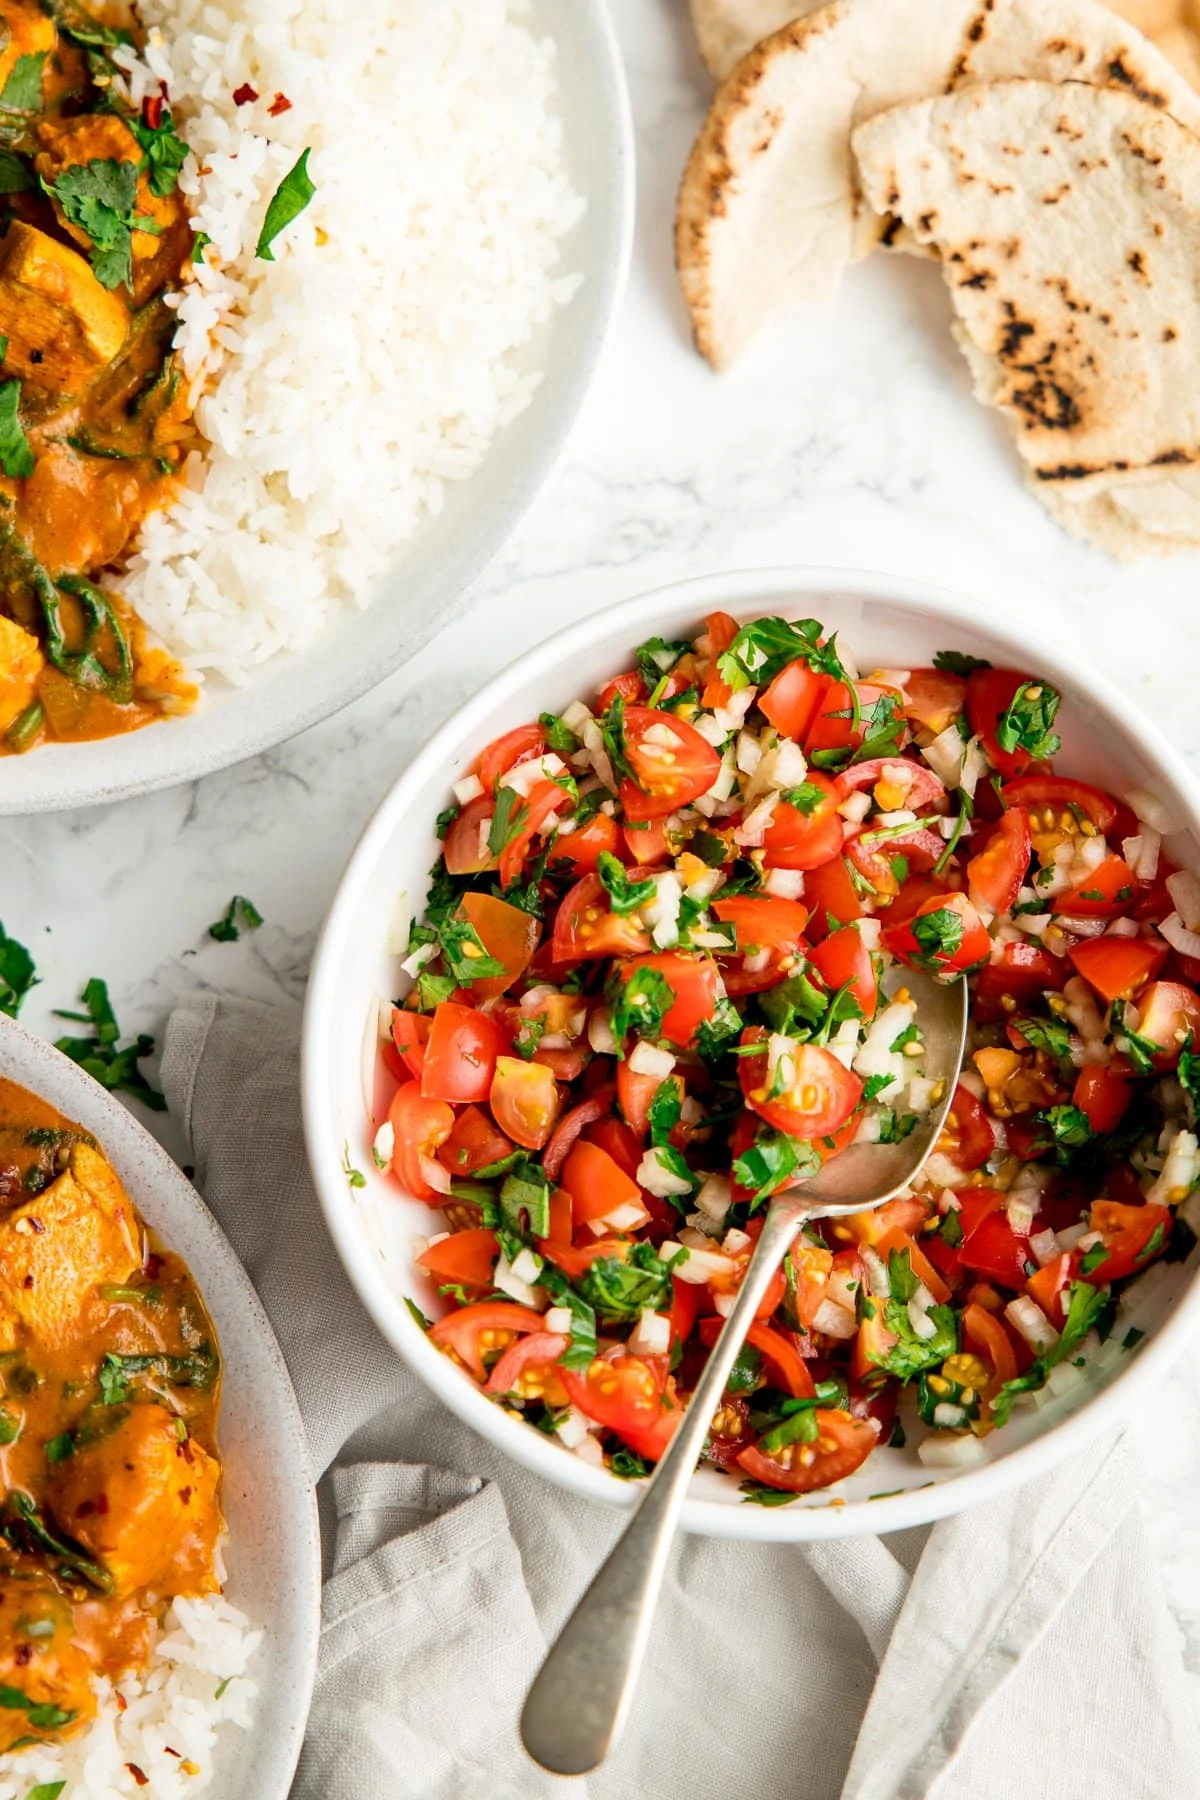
[
  {"x": 460, "y": 1056},
  {"x": 692, "y": 978},
  {"x": 763, "y": 922},
  {"x": 586, "y": 925},
  {"x": 508, "y": 933},
  {"x": 596, "y": 1184},
  {"x": 997, "y": 871},
  {"x": 819, "y": 1092},
  {"x": 420, "y": 1126},
  {"x": 1117, "y": 967},
  {"x": 1102, "y": 894},
  {"x": 954, "y": 940},
  {"x": 933, "y": 698},
  {"x": 843, "y": 1444},
  {"x": 468, "y": 1257},
  {"x": 843, "y": 957},
  {"x": 804, "y": 838},
  {"x": 475, "y": 1331},
  {"x": 990, "y": 693},
  {"x": 504, "y": 753},
  {"x": 790, "y": 702},
  {"x": 831, "y": 893},
  {"x": 1133, "y": 1236},
  {"x": 524, "y": 1101},
  {"x": 1169, "y": 1012},
  {"x": 672, "y": 764},
  {"x": 967, "y": 1136}
]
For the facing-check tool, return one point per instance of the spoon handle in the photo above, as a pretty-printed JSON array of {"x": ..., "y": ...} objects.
[{"x": 578, "y": 1704}]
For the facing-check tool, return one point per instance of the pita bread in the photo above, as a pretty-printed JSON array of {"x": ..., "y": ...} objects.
[
  {"x": 768, "y": 214},
  {"x": 727, "y": 29},
  {"x": 1153, "y": 518},
  {"x": 1085, "y": 330}
]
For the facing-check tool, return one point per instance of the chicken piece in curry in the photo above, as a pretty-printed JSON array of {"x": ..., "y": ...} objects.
[
  {"x": 109, "y": 1392},
  {"x": 95, "y": 420}
]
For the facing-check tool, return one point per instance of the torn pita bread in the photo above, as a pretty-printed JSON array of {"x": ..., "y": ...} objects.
[
  {"x": 726, "y": 29},
  {"x": 1067, "y": 219},
  {"x": 1153, "y": 518},
  {"x": 768, "y": 213}
]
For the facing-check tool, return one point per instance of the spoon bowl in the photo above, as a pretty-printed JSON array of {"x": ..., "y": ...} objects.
[{"x": 581, "y": 1697}]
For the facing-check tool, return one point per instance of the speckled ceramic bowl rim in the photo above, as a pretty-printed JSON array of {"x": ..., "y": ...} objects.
[
  {"x": 666, "y": 610},
  {"x": 267, "y": 1752},
  {"x": 433, "y": 571}
]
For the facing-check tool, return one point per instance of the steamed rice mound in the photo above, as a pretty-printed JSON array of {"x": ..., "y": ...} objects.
[{"x": 342, "y": 385}]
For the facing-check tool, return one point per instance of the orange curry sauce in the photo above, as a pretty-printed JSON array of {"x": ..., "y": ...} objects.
[
  {"x": 109, "y": 1393},
  {"x": 99, "y": 395}
]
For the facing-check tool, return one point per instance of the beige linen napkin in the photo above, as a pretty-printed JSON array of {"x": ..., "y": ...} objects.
[{"x": 1022, "y": 1649}]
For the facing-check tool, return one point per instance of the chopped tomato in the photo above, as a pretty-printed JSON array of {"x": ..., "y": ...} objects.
[
  {"x": 589, "y": 1112},
  {"x": 724, "y": 1446},
  {"x": 763, "y": 922},
  {"x": 626, "y": 1395},
  {"x": 792, "y": 699},
  {"x": 634, "y": 1094},
  {"x": 576, "y": 1259},
  {"x": 843, "y": 1444},
  {"x": 986, "y": 1337},
  {"x": 933, "y": 698},
  {"x": 804, "y": 837},
  {"x": 1133, "y": 1236},
  {"x": 990, "y": 693},
  {"x": 843, "y": 957},
  {"x": 1048, "y": 1286},
  {"x": 918, "y": 1262},
  {"x": 420, "y": 1126},
  {"x": 1037, "y": 792},
  {"x": 833, "y": 727},
  {"x": 1117, "y": 967},
  {"x": 508, "y": 933},
  {"x": 1015, "y": 979},
  {"x": 967, "y": 1136},
  {"x": 817, "y": 1092},
  {"x": 504, "y": 753},
  {"x": 831, "y": 894},
  {"x": 721, "y": 631},
  {"x": 474, "y": 1143},
  {"x": 998, "y": 870},
  {"x": 613, "y": 1135},
  {"x": 526, "y": 819},
  {"x": 672, "y": 764},
  {"x": 991, "y": 1247},
  {"x": 873, "y": 1344},
  {"x": 581, "y": 850},
  {"x": 630, "y": 686},
  {"x": 647, "y": 842},
  {"x": 754, "y": 975},
  {"x": 884, "y": 858},
  {"x": 596, "y": 1184},
  {"x": 787, "y": 1367},
  {"x": 524, "y": 1101},
  {"x": 474, "y": 1332},
  {"x": 564, "y": 1064},
  {"x": 914, "y": 783},
  {"x": 1102, "y": 894},
  {"x": 1103, "y": 1095},
  {"x": 468, "y": 1257},
  {"x": 685, "y": 1308},
  {"x": 954, "y": 940},
  {"x": 692, "y": 979},
  {"x": 466, "y": 848},
  {"x": 586, "y": 926},
  {"x": 528, "y": 1369},
  {"x": 893, "y": 1215},
  {"x": 1169, "y": 1012},
  {"x": 410, "y": 1033},
  {"x": 460, "y": 1056}
]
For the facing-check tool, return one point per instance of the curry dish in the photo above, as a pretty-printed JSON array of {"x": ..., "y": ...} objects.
[
  {"x": 94, "y": 414},
  {"x": 109, "y": 1392}
]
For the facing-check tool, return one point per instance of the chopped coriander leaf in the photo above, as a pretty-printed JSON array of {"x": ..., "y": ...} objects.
[
  {"x": 1132, "y": 1338},
  {"x": 950, "y": 1230},
  {"x": 1087, "y": 1308},
  {"x": 874, "y": 1085},
  {"x": 957, "y": 662},
  {"x": 884, "y": 727},
  {"x": 526, "y": 1193},
  {"x": 18, "y": 974},
  {"x": 1069, "y": 1128},
  {"x": 1026, "y": 723},
  {"x": 663, "y": 1112},
  {"x": 673, "y": 1162},
  {"x": 354, "y": 1176},
  {"x": 910, "y": 1353},
  {"x": 771, "y": 1161},
  {"x": 22, "y": 92},
  {"x": 799, "y": 1427},
  {"x": 806, "y": 798},
  {"x": 433, "y": 990},
  {"x": 464, "y": 953},
  {"x": 716, "y": 1036},
  {"x": 628, "y": 1465},
  {"x": 711, "y": 849},
  {"x": 164, "y": 153},
  {"x": 446, "y": 819},
  {"x": 581, "y": 1351},
  {"x": 1095, "y": 1256},
  {"x": 895, "y": 1127},
  {"x": 1189, "y": 1071},
  {"x": 529, "y": 1034},
  {"x": 612, "y": 731},
  {"x": 15, "y": 177},
  {"x": 100, "y": 197},
  {"x": 795, "y": 1007},
  {"x": 765, "y": 646},
  {"x": 418, "y": 1315},
  {"x": 625, "y": 896},
  {"x": 508, "y": 820},
  {"x": 657, "y": 657},
  {"x": 755, "y": 1494},
  {"x": 620, "y": 1291},
  {"x": 227, "y": 930},
  {"x": 16, "y": 454},
  {"x": 910, "y": 1035},
  {"x": 746, "y": 1372},
  {"x": 966, "y": 809},
  {"x": 200, "y": 244},
  {"x": 1049, "y": 1035},
  {"x": 101, "y": 1056},
  {"x": 639, "y": 1003},
  {"x": 558, "y": 737},
  {"x": 287, "y": 203},
  {"x": 1152, "y": 1246},
  {"x": 938, "y": 936}
]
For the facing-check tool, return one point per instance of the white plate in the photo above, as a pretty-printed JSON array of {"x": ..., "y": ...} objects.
[
  {"x": 886, "y": 622},
  {"x": 432, "y": 573},
  {"x": 273, "y": 1553}
]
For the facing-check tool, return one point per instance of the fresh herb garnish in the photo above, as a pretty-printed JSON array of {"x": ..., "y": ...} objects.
[
  {"x": 1049, "y": 1035},
  {"x": 938, "y": 938},
  {"x": 101, "y": 1056},
  {"x": 765, "y": 646},
  {"x": 771, "y": 1160},
  {"x": 354, "y": 1176},
  {"x": 628, "y": 1465},
  {"x": 619, "y": 1291},
  {"x": 1025, "y": 725},
  {"x": 287, "y": 203},
  {"x": 16, "y": 455},
  {"x": 18, "y": 974},
  {"x": 638, "y": 1003},
  {"x": 657, "y": 657},
  {"x": 664, "y": 1109},
  {"x": 508, "y": 820},
  {"x": 957, "y": 662},
  {"x": 227, "y": 929},
  {"x": 806, "y": 798},
  {"x": 164, "y": 153},
  {"x": 755, "y": 1493},
  {"x": 558, "y": 736},
  {"x": 716, "y": 1036},
  {"x": 625, "y": 896},
  {"x": 581, "y": 1350},
  {"x": 200, "y": 244},
  {"x": 22, "y": 92},
  {"x": 59, "y": 1448},
  {"x": 1086, "y": 1308},
  {"x": 99, "y": 197}
]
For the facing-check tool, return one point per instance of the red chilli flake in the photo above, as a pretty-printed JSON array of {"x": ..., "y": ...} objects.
[
  {"x": 141, "y": 1779},
  {"x": 244, "y": 95},
  {"x": 280, "y": 104},
  {"x": 152, "y": 111}
]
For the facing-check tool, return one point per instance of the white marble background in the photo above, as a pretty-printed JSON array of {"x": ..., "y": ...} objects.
[{"x": 849, "y": 438}]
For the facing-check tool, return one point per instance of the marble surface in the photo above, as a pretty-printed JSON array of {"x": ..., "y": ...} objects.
[{"x": 849, "y": 437}]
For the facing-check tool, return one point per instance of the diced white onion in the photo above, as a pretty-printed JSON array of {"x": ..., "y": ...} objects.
[
  {"x": 1063, "y": 1377},
  {"x": 573, "y": 1429},
  {"x": 599, "y": 1033},
  {"x": 715, "y": 1196},
  {"x": 646, "y": 1059},
  {"x": 468, "y": 789},
  {"x": 789, "y": 767},
  {"x": 626, "y": 1217},
  {"x": 1045, "y": 1247},
  {"x": 1179, "y": 937},
  {"x": 384, "y": 1147},
  {"x": 418, "y": 1245},
  {"x": 1180, "y": 1170},
  {"x": 1020, "y": 1209},
  {"x": 730, "y": 716},
  {"x": 651, "y": 1336},
  {"x": 878, "y": 1279},
  {"x": 918, "y": 1318},
  {"x": 527, "y": 1266},
  {"x": 412, "y": 965},
  {"x": 712, "y": 732},
  {"x": 855, "y": 807},
  {"x": 948, "y": 1417},
  {"x": 523, "y": 777},
  {"x": 1069, "y": 1236},
  {"x": 588, "y": 1450},
  {"x": 1151, "y": 811},
  {"x": 1184, "y": 889},
  {"x": 704, "y": 886},
  {"x": 662, "y": 913},
  {"x": 576, "y": 717},
  {"x": 945, "y": 755},
  {"x": 1027, "y": 1317},
  {"x": 834, "y": 1320},
  {"x": 435, "y": 1175},
  {"x": 658, "y": 1180},
  {"x": 870, "y": 931},
  {"x": 559, "y": 1319},
  {"x": 1126, "y": 928},
  {"x": 753, "y": 828},
  {"x": 735, "y": 1242},
  {"x": 952, "y": 1452},
  {"x": 748, "y": 752},
  {"x": 724, "y": 1304},
  {"x": 510, "y": 1283},
  {"x": 723, "y": 785},
  {"x": 785, "y": 884},
  {"x": 700, "y": 1266}
]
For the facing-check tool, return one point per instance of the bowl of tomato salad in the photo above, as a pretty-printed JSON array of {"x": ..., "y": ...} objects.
[{"x": 624, "y": 953}]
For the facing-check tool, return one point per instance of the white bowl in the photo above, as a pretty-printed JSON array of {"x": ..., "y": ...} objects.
[
  {"x": 273, "y": 1553},
  {"x": 433, "y": 571},
  {"x": 886, "y": 622}
]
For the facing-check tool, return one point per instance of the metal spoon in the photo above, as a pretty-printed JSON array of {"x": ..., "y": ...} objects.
[{"x": 580, "y": 1700}]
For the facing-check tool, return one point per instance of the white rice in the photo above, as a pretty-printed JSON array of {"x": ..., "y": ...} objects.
[
  {"x": 377, "y": 357},
  {"x": 156, "y": 1722}
]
